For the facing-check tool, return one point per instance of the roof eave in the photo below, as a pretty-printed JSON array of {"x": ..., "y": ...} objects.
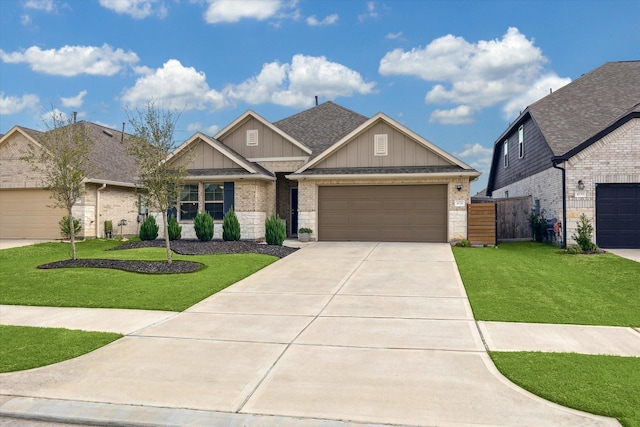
[
  {"x": 190, "y": 178},
  {"x": 459, "y": 174}
]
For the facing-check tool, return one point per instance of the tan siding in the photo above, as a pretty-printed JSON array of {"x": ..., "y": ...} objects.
[
  {"x": 204, "y": 156},
  {"x": 270, "y": 143},
  {"x": 26, "y": 214},
  {"x": 402, "y": 151}
]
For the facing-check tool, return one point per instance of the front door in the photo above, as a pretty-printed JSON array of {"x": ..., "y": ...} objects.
[{"x": 293, "y": 220}]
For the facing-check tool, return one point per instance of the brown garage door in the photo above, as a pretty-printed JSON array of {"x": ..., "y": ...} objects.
[
  {"x": 387, "y": 213},
  {"x": 25, "y": 214}
]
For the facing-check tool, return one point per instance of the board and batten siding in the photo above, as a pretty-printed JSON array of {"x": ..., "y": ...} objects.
[
  {"x": 402, "y": 151},
  {"x": 204, "y": 156},
  {"x": 537, "y": 155},
  {"x": 270, "y": 143}
]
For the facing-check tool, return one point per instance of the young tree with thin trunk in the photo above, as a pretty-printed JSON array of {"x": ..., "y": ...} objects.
[
  {"x": 153, "y": 129},
  {"x": 63, "y": 160}
]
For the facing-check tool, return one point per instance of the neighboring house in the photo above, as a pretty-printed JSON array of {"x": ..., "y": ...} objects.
[
  {"x": 344, "y": 175},
  {"x": 110, "y": 194},
  {"x": 577, "y": 151}
]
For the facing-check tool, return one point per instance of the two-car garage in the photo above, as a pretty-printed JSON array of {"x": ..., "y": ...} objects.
[{"x": 400, "y": 213}]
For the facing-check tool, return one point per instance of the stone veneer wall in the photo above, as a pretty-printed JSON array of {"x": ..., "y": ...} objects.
[{"x": 457, "y": 220}]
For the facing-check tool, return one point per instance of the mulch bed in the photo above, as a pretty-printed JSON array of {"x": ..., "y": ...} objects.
[{"x": 183, "y": 247}]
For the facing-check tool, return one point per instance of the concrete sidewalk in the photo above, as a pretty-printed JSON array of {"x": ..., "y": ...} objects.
[{"x": 335, "y": 334}]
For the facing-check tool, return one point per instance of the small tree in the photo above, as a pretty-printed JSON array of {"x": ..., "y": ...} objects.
[
  {"x": 149, "y": 229},
  {"x": 275, "y": 232},
  {"x": 203, "y": 226},
  {"x": 230, "y": 226},
  {"x": 583, "y": 234},
  {"x": 153, "y": 130},
  {"x": 64, "y": 227},
  {"x": 63, "y": 159},
  {"x": 175, "y": 229}
]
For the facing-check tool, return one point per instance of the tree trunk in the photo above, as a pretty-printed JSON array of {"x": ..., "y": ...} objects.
[
  {"x": 166, "y": 234},
  {"x": 72, "y": 235}
]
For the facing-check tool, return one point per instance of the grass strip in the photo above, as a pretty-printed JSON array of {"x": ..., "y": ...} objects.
[
  {"x": 601, "y": 385},
  {"x": 537, "y": 283},
  {"x": 26, "y": 347}
]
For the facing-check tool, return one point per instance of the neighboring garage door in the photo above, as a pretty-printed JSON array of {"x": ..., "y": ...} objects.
[
  {"x": 618, "y": 215},
  {"x": 25, "y": 214},
  {"x": 387, "y": 213}
]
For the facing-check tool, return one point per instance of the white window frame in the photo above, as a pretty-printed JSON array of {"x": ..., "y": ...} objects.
[
  {"x": 252, "y": 138},
  {"x": 380, "y": 144},
  {"x": 521, "y": 141},
  {"x": 505, "y": 153}
]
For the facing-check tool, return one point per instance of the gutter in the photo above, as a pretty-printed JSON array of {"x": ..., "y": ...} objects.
[
  {"x": 298, "y": 177},
  {"x": 554, "y": 162},
  {"x": 98, "y": 190}
]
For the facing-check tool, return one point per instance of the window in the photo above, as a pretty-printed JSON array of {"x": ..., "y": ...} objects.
[
  {"x": 188, "y": 202},
  {"x": 505, "y": 153},
  {"x": 214, "y": 199},
  {"x": 252, "y": 138},
  {"x": 521, "y": 141},
  {"x": 380, "y": 144}
]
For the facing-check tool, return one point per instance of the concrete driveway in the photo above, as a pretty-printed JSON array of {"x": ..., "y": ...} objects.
[
  {"x": 15, "y": 243},
  {"x": 334, "y": 334}
]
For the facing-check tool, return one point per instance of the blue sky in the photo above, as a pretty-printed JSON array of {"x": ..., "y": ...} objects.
[{"x": 456, "y": 72}]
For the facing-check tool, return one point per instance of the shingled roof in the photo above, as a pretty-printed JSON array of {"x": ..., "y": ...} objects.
[
  {"x": 110, "y": 159},
  {"x": 320, "y": 127},
  {"x": 578, "y": 111}
]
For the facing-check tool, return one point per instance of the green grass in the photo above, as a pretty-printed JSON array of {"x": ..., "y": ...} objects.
[
  {"x": 21, "y": 283},
  {"x": 533, "y": 282},
  {"x": 602, "y": 385},
  {"x": 25, "y": 347}
]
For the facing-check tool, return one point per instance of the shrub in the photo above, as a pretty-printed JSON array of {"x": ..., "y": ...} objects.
[
  {"x": 538, "y": 225},
  {"x": 175, "y": 229},
  {"x": 583, "y": 234},
  {"x": 305, "y": 230},
  {"x": 64, "y": 227},
  {"x": 574, "y": 250},
  {"x": 230, "y": 226},
  {"x": 203, "y": 225},
  {"x": 463, "y": 244},
  {"x": 149, "y": 229},
  {"x": 275, "y": 232}
]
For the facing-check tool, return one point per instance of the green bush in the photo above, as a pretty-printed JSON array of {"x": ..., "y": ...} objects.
[
  {"x": 175, "y": 229},
  {"x": 583, "y": 234},
  {"x": 203, "y": 225},
  {"x": 574, "y": 250},
  {"x": 230, "y": 226},
  {"x": 275, "y": 232},
  {"x": 64, "y": 227},
  {"x": 463, "y": 244},
  {"x": 538, "y": 225},
  {"x": 149, "y": 229},
  {"x": 305, "y": 230}
]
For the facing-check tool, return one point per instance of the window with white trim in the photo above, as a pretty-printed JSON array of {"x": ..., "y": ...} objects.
[
  {"x": 252, "y": 138},
  {"x": 188, "y": 205},
  {"x": 521, "y": 141},
  {"x": 214, "y": 199},
  {"x": 380, "y": 144},
  {"x": 505, "y": 153}
]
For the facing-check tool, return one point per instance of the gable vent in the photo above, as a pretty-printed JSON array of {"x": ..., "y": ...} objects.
[
  {"x": 252, "y": 138},
  {"x": 380, "y": 144}
]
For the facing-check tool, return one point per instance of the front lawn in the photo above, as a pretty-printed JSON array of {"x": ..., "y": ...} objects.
[
  {"x": 533, "y": 282},
  {"x": 21, "y": 283},
  {"x": 602, "y": 385},
  {"x": 25, "y": 347}
]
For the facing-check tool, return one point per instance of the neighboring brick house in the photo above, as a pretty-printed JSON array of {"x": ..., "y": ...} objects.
[
  {"x": 344, "y": 175},
  {"x": 110, "y": 194},
  {"x": 577, "y": 151}
]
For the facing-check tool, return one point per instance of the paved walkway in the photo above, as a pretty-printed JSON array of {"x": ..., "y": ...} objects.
[{"x": 333, "y": 335}]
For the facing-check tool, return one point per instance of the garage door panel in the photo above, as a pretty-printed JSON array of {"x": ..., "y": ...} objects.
[
  {"x": 618, "y": 215},
  {"x": 383, "y": 213},
  {"x": 27, "y": 214}
]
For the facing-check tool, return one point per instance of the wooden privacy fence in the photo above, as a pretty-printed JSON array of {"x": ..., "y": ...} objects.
[
  {"x": 510, "y": 220},
  {"x": 481, "y": 223}
]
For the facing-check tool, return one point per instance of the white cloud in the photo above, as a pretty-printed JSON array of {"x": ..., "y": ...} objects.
[
  {"x": 25, "y": 19},
  {"x": 197, "y": 127},
  {"x": 74, "y": 101},
  {"x": 312, "y": 21},
  {"x": 394, "y": 36},
  {"x": 537, "y": 90},
  {"x": 476, "y": 75},
  {"x": 177, "y": 86},
  {"x": 138, "y": 9},
  {"x": 297, "y": 83},
  {"x": 54, "y": 115},
  {"x": 15, "y": 104},
  {"x": 370, "y": 14},
  {"x": 44, "y": 5},
  {"x": 462, "y": 114},
  {"x": 73, "y": 60},
  {"x": 477, "y": 156},
  {"x": 235, "y": 10}
]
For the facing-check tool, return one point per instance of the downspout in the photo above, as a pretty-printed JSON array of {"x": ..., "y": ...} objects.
[
  {"x": 98, "y": 209},
  {"x": 555, "y": 161}
]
